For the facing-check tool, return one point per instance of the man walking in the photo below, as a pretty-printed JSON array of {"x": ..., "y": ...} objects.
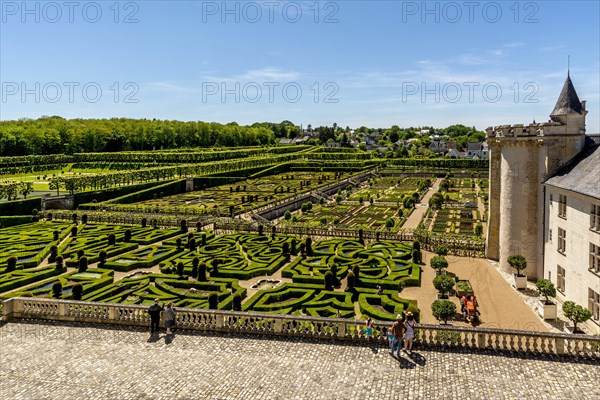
[
  {"x": 397, "y": 331},
  {"x": 154, "y": 311}
]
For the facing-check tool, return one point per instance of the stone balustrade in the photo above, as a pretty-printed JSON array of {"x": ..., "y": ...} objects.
[{"x": 297, "y": 326}]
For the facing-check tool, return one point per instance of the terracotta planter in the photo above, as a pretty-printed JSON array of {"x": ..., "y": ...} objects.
[
  {"x": 547, "y": 311},
  {"x": 520, "y": 282}
]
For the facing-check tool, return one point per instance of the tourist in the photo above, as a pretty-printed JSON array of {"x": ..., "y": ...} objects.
[
  {"x": 397, "y": 330},
  {"x": 390, "y": 337},
  {"x": 409, "y": 333},
  {"x": 170, "y": 318},
  {"x": 154, "y": 311},
  {"x": 369, "y": 328}
]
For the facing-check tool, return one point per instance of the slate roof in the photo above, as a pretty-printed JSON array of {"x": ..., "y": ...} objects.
[
  {"x": 581, "y": 174},
  {"x": 474, "y": 146},
  {"x": 568, "y": 101}
]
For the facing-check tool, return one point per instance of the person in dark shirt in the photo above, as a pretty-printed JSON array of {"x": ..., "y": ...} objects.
[{"x": 154, "y": 310}]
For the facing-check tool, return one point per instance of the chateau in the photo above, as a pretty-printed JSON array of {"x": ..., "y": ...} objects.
[{"x": 545, "y": 201}]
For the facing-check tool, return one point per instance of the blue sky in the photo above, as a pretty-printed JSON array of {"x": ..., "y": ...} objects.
[{"x": 373, "y": 63}]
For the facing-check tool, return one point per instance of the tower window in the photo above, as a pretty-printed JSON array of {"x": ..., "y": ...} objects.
[
  {"x": 594, "y": 304},
  {"x": 562, "y": 206},
  {"x": 595, "y": 218},
  {"x": 594, "y": 258},
  {"x": 562, "y": 240},
  {"x": 560, "y": 279}
]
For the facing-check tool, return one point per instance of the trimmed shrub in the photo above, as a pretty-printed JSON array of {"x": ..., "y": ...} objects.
[
  {"x": 74, "y": 218},
  {"x": 144, "y": 222},
  {"x": 441, "y": 250},
  {"x": 201, "y": 272},
  {"x": 55, "y": 235},
  {"x": 112, "y": 239},
  {"x": 59, "y": 262},
  {"x": 178, "y": 243},
  {"x": 517, "y": 262},
  {"x": 192, "y": 244},
  {"x": 575, "y": 313},
  {"x": 83, "y": 264},
  {"x": 127, "y": 237},
  {"x": 11, "y": 264},
  {"x": 285, "y": 249},
  {"x": 213, "y": 301},
  {"x": 328, "y": 280},
  {"x": 478, "y": 229},
  {"x": 77, "y": 291},
  {"x": 439, "y": 263},
  {"x": 215, "y": 267},
  {"x": 334, "y": 270},
  {"x": 443, "y": 283},
  {"x": 443, "y": 310},
  {"x": 309, "y": 251},
  {"x": 53, "y": 253},
  {"x": 74, "y": 231},
  {"x": 356, "y": 272},
  {"x": 350, "y": 281},
  {"x": 546, "y": 289},
  {"x": 416, "y": 256},
  {"x": 102, "y": 258},
  {"x": 237, "y": 302},
  {"x": 80, "y": 253},
  {"x": 57, "y": 290},
  {"x": 180, "y": 269},
  {"x": 84, "y": 219},
  {"x": 183, "y": 226}
]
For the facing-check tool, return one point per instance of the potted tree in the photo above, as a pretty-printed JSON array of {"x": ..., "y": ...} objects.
[
  {"x": 443, "y": 284},
  {"x": 519, "y": 263},
  {"x": 546, "y": 308},
  {"x": 576, "y": 314},
  {"x": 439, "y": 263},
  {"x": 443, "y": 310}
]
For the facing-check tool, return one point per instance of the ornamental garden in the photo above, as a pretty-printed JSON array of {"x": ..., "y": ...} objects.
[{"x": 296, "y": 230}]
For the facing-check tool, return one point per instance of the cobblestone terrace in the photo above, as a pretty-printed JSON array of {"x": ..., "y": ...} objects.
[{"x": 75, "y": 361}]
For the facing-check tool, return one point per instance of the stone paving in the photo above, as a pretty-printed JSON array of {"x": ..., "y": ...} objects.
[{"x": 78, "y": 361}]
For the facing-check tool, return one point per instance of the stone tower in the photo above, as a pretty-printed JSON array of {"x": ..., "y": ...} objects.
[{"x": 521, "y": 157}]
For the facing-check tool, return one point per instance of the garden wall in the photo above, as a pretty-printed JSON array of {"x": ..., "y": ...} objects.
[{"x": 21, "y": 207}]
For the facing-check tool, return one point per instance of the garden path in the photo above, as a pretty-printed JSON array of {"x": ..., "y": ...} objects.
[
  {"x": 420, "y": 208},
  {"x": 481, "y": 208},
  {"x": 500, "y": 304}
]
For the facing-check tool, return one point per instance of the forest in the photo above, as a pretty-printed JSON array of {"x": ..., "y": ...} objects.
[{"x": 56, "y": 135}]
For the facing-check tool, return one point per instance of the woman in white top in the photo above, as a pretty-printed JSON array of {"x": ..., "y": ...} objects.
[{"x": 409, "y": 331}]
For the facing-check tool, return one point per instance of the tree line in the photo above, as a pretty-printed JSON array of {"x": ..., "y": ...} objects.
[{"x": 56, "y": 135}]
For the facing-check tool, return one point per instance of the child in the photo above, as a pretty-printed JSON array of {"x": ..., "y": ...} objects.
[{"x": 369, "y": 328}]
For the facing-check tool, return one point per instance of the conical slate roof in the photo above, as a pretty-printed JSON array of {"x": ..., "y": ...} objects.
[{"x": 568, "y": 101}]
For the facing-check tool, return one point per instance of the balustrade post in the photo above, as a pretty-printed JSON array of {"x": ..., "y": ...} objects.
[
  {"x": 220, "y": 321},
  {"x": 62, "y": 309},
  {"x": 8, "y": 307},
  {"x": 112, "y": 313},
  {"x": 341, "y": 330},
  {"x": 559, "y": 345},
  {"x": 278, "y": 325},
  {"x": 481, "y": 340}
]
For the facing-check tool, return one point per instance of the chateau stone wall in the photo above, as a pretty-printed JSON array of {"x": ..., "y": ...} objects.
[{"x": 575, "y": 259}]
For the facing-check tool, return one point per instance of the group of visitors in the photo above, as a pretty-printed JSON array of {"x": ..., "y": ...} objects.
[
  {"x": 400, "y": 335},
  {"x": 155, "y": 310}
]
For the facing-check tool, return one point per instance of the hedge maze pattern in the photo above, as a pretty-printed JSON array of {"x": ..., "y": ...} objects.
[
  {"x": 382, "y": 264},
  {"x": 236, "y": 257}
]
